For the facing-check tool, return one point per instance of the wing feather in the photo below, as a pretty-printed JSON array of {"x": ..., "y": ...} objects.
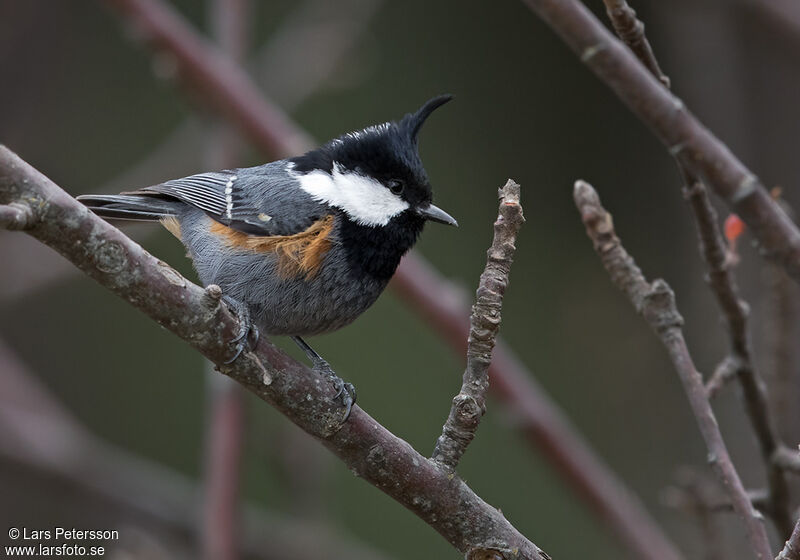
[{"x": 257, "y": 201}]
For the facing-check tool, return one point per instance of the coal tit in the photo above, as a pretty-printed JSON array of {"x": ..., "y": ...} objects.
[{"x": 303, "y": 245}]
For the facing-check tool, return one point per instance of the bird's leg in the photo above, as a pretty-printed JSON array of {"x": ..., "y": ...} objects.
[
  {"x": 246, "y": 327},
  {"x": 344, "y": 391}
]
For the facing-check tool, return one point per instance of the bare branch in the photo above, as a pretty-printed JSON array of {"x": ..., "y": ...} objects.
[
  {"x": 470, "y": 403},
  {"x": 782, "y": 15},
  {"x": 792, "y": 549},
  {"x": 443, "y": 501},
  {"x": 736, "y": 312},
  {"x": 679, "y": 130},
  {"x": 780, "y": 336},
  {"x": 787, "y": 459},
  {"x": 15, "y": 216},
  {"x": 631, "y": 30},
  {"x": 656, "y": 303},
  {"x": 696, "y": 494},
  {"x": 724, "y": 373}
]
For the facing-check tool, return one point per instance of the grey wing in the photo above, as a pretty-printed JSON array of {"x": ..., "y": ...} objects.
[{"x": 256, "y": 200}]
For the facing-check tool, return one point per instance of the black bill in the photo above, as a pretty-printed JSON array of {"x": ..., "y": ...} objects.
[{"x": 436, "y": 214}]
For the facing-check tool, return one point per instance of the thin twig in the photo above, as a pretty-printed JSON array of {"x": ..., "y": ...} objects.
[
  {"x": 792, "y": 549},
  {"x": 677, "y": 128},
  {"x": 697, "y": 495},
  {"x": 780, "y": 337},
  {"x": 735, "y": 311},
  {"x": 781, "y": 15},
  {"x": 470, "y": 403},
  {"x": 787, "y": 459},
  {"x": 541, "y": 420},
  {"x": 656, "y": 303},
  {"x": 631, "y": 30},
  {"x": 368, "y": 449},
  {"x": 724, "y": 373}
]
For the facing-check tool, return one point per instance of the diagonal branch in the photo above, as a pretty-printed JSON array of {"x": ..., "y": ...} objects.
[
  {"x": 792, "y": 549},
  {"x": 101, "y": 251},
  {"x": 677, "y": 128},
  {"x": 631, "y": 30},
  {"x": 656, "y": 302},
  {"x": 470, "y": 403}
]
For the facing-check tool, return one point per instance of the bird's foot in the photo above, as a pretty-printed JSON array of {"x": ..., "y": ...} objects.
[
  {"x": 248, "y": 333},
  {"x": 345, "y": 392}
]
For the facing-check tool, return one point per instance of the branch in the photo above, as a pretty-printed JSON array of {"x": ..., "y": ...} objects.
[
  {"x": 780, "y": 335},
  {"x": 724, "y": 373},
  {"x": 782, "y": 15},
  {"x": 735, "y": 311},
  {"x": 677, "y": 128},
  {"x": 656, "y": 302},
  {"x": 631, "y": 30},
  {"x": 443, "y": 501},
  {"x": 696, "y": 495},
  {"x": 433, "y": 297},
  {"x": 470, "y": 403},
  {"x": 792, "y": 549},
  {"x": 787, "y": 459},
  {"x": 15, "y": 216}
]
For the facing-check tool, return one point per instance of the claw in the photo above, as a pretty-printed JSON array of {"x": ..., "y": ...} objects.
[
  {"x": 239, "y": 350},
  {"x": 345, "y": 392},
  {"x": 246, "y": 327}
]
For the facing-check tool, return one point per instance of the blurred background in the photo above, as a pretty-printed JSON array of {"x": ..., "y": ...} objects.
[{"x": 84, "y": 102}]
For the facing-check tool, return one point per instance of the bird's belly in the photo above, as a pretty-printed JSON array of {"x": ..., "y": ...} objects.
[
  {"x": 327, "y": 299},
  {"x": 324, "y": 303}
]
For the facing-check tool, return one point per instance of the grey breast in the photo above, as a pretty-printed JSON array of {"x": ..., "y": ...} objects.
[{"x": 326, "y": 301}]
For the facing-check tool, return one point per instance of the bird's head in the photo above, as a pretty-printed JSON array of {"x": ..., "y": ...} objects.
[{"x": 374, "y": 175}]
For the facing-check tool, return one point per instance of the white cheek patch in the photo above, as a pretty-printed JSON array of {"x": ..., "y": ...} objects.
[{"x": 365, "y": 200}]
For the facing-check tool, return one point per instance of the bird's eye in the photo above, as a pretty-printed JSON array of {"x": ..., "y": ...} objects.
[{"x": 396, "y": 186}]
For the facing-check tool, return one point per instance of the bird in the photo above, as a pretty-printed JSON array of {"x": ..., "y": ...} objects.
[{"x": 300, "y": 246}]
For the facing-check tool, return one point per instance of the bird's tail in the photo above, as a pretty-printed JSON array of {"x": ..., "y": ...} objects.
[{"x": 131, "y": 206}]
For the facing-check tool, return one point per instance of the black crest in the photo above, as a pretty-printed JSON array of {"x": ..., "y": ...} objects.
[{"x": 412, "y": 122}]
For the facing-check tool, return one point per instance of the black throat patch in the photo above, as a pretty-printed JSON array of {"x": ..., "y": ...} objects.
[{"x": 377, "y": 250}]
